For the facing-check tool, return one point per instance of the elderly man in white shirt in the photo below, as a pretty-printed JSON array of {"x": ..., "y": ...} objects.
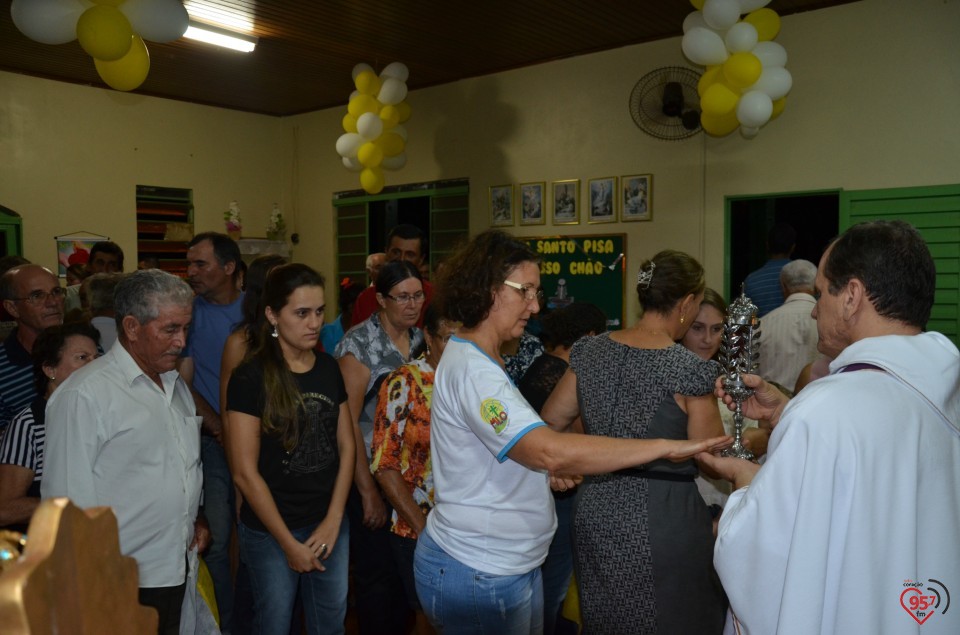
[
  {"x": 124, "y": 433},
  {"x": 788, "y": 334}
]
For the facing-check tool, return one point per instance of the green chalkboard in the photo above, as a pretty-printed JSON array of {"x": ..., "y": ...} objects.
[{"x": 583, "y": 269}]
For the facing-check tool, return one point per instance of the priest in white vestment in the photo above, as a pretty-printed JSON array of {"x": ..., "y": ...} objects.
[{"x": 852, "y": 526}]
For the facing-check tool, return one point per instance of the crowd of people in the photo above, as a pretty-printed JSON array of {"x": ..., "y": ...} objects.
[{"x": 429, "y": 460}]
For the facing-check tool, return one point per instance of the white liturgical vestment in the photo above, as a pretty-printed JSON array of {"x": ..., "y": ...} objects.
[{"x": 852, "y": 526}]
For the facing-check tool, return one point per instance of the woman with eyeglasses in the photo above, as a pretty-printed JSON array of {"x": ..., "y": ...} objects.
[
  {"x": 368, "y": 353},
  {"x": 57, "y": 352},
  {"x": 477, "y": 562}
]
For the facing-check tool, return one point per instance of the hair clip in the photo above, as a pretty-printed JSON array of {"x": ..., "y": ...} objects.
[{"x": 646, "y": 275}]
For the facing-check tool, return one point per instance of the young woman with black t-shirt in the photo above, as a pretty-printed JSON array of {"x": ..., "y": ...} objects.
[{"x": 291, "y": 452}]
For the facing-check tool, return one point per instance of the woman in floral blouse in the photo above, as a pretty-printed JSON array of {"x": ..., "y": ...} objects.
[{"x": 401, "y": 450}]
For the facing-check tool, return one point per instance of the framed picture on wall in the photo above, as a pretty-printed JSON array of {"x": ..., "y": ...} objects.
[
  {"x": 636, "y": 197},
  {"x": 501, "y": 205},
  {"x": 566, "y": 202},
  {"x": 602, "y": 196},
  {"x": 531, "y": 204}
]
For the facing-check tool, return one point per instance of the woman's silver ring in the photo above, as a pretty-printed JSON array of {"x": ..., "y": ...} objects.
[{"x": 323, "y": 550}]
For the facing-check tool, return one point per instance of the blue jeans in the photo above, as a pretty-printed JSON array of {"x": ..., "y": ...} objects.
[
  {"x": 558, "y": 567},
  {"x": 218, "y": 500},
  {"x": 460, "y": 600},
  {"x": 274, "y": 583}
]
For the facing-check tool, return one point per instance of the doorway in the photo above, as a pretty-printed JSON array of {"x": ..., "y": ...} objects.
[{"x": 815, "y": 216}]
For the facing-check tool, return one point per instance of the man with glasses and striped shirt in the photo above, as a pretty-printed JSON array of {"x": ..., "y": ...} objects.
[{"x": 34, "y": 297}]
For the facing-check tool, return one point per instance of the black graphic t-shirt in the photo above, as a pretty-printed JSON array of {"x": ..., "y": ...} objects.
[{"x": 301, "y": 482}]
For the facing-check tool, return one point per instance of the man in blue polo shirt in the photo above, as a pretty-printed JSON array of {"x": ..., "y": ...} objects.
[
  {"x": 213, "y": 268},
  {"x": 763, "y": 285},
  {"x": 34, "y": 297}
]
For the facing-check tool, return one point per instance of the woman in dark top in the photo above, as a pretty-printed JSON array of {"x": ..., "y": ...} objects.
[{"x": 291, "y": 451}]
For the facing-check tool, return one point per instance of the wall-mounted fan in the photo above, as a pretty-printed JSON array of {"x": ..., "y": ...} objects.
[{"x": 665, "y": 103}]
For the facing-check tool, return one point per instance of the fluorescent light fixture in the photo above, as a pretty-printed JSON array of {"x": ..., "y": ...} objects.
[{"x": 220, "y": 37}]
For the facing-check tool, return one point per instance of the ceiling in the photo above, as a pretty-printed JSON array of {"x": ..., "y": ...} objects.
[{"x": 308, "y": 48}]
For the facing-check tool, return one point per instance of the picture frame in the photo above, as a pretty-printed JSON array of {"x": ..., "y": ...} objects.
[
  {"x": 602, "y": 200},
  {"x": 501, "y": 205},
  {"x": 565, "y": 205},
  {"x": 75, "y": 249},
  {"x": 531, "y": 203},
  {"x": 636, "y": 197}
]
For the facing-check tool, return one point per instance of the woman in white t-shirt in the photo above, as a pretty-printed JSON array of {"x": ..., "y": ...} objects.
[{"x": 477, "y": 562}]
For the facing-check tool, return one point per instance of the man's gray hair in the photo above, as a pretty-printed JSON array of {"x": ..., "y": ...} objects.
[
  {"x": 798, "y": 275},
  {"x": 142, "y": 293},
  {"x": 99, "y": 289}
]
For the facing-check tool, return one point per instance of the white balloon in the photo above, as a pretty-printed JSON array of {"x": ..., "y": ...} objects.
[
  {"x": 352, "y": 164},
  {"x": 694, "y": 19},
  {"x": 394, "y": 163},
  {"x": 359, "y": 68},
  {"x": 775, "y": 82},
  {"x": 352, "y": 95},
  {"x": 703, "y": 46},
  {"x": 746, "y": 6},
  {"x": 369, "y": 125},
  {"x": 770, "y": 54},
  {"x": 396, "y": 70},
  {"x": 754, "y": 109},
  {"x": 392, "y": 92},
  {"x": 348, "y": 144},
  {"x": 48, "y": 21},
  {"x": 721, "y": 14},
  {"x": 157, "y": 20},
  {"x": 749, "y": 133},
  {"x": 741, "y": 38},
  {"x": 401, "y": 130}
]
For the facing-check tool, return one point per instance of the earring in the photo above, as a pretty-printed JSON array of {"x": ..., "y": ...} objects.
[
  {"x": 275, "y": 334},
  {"x": 681, "y": 318}
]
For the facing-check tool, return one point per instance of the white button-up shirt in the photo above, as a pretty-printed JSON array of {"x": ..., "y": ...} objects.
[{"x": 114, "y": 438}]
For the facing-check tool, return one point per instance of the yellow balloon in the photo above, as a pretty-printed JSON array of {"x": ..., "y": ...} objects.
[
  {"x": 391, "y": 143},
  {"x": 370, "y": 155},
  {"x": 367, "y": 83},
  {"x": 371, "y": 179},
  {"x": 742, "y": 70},
  {"x": 128, "y": 72},
  {"x": 710, "y": 76},
  {"x": 390, "y": 116},
  {"x": 349, "y": 123},
  {"x": 718, "y": 99},
  {"x": 362, "y": 104},
  {"x": 719, "y": 125},
  {"x": 766, "y": 21},
  {"x": 104, "y": 32},
  {"x": 404, "y": 109},
  {"x": 697, "y": 4},
  {"x": 778, "y": 106}
]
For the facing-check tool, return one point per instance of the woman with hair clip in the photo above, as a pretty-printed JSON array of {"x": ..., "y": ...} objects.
[
  {"x": 643, "y": 536},
  {"x": 291, "y": 449},
  {"x": 477, "y": 561}
]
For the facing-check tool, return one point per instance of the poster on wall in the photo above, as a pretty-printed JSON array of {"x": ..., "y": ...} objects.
[
  {"x": 74, "y": 249},
  {"x": 586, "y": 268}
]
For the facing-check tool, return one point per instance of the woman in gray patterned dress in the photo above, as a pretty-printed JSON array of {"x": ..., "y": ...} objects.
[{"x": 642, "y": 536}]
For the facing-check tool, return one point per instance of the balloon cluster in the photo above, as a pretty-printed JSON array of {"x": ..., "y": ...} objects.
[
  {"x": 374, "y": 138},
  {"x": 745, "y": 83},
  {"x": 110, "y": 31}
]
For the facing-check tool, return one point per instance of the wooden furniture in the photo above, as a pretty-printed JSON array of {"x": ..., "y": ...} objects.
[{"x": 72, "y": 579}]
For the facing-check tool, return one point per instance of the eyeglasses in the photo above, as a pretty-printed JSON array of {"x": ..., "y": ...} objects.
[
  {"x": 38, "y": 297},
  {"x": 406, "y": 298},
  {"x": 529, "y": 292}
]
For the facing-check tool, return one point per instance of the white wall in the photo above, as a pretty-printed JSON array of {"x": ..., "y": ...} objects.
[{"x": 874, "y": 104}]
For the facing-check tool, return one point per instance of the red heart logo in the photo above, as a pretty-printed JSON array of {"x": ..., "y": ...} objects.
[{"x": 919, "y": 604}]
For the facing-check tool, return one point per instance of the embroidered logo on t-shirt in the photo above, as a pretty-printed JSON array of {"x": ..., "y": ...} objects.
[
  {"x": 493, "y": 412},
  {"x": 921, "y": 603}
]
